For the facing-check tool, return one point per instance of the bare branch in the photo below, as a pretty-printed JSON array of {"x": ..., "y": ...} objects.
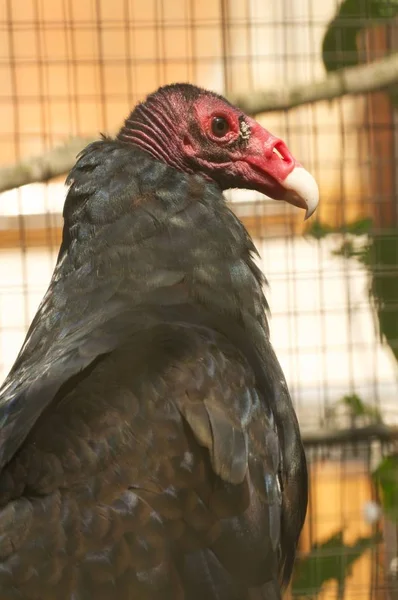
[
  {"x": 354, "y": 80},
  {"x": 53, "y": 163}
]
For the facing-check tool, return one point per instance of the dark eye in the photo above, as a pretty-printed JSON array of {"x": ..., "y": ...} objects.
[{"x": 219, "y": 126}]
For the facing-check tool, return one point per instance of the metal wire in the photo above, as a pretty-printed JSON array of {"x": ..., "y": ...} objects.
[{"x": 77, "y": 68}]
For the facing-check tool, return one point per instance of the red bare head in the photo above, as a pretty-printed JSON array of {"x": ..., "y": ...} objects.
[{"x": 197, "y": 131}]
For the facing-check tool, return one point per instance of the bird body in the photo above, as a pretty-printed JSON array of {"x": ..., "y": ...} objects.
[{"x": 148, "y": 444}]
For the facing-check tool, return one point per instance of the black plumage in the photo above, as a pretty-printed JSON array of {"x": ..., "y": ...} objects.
[{"x": 148, "y": 444}]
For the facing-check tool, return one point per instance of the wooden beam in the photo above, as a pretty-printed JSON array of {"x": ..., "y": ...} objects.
[
  {"x": 259, "y": 226},
  {"x": 30, "y": 238}
]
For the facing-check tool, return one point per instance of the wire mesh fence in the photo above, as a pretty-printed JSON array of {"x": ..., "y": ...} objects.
[
  {"x": 348, "y": 547},
  {"x": 71, "y": 68}
]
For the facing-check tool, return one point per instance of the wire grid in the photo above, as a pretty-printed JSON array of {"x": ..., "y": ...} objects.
[
  {"x": 71, "y": 68},
  {"x": 361, "y": 563}
]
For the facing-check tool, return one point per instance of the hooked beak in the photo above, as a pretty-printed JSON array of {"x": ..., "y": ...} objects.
[
  {"x": 277, "y": 173},
  {"x": 301, "y": 190}
]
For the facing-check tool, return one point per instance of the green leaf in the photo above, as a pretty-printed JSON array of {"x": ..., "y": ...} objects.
[
  {"x": 320, "y": 230},
  {"x": 358, "y": 408},
  {"x": 347, "y": 250},
  {"x": 386, "y": 477},
  {"x": 358, "y": 227},
  {"x": 382, "y": 263},
  {"x": 330, "y": 560},
  {"x": 355, "y": 404},
  {"x": 339, "y": 47}
]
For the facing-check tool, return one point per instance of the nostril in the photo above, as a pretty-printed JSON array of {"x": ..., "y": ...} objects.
[
  {"x": 276, "y": 151},
  {"x": 282, "y": 152}
]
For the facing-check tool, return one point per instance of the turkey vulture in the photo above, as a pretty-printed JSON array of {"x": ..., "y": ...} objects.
[{"x": 148, "y": 444}]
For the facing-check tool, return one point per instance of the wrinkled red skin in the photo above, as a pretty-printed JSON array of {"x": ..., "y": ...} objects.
[{"x": 239, "y": 159}]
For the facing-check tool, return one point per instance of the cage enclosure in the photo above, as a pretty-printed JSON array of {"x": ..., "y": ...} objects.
[{"x": 71, "y": 69}]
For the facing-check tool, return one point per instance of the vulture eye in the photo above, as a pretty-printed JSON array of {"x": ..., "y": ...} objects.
[{"x": 219, "y": 126}]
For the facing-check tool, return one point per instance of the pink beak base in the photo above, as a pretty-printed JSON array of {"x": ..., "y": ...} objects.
[{"x": 296, "y": 184}]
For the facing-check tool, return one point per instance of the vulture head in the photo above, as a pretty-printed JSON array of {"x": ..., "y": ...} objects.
[{"x": 197, "y": 131}]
